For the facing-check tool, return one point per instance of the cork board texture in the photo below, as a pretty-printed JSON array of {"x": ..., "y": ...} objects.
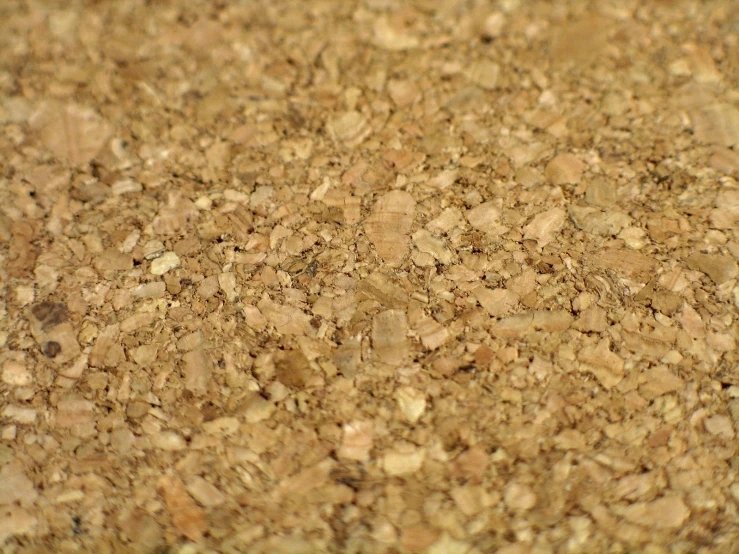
[{"x": 369, "y": 276}]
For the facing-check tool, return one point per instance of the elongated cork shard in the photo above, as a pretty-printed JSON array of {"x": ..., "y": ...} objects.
[
  {"x": 188, "y": 518},
  {"x": 389, "y": 225},
  {"x": 389, "y": 336}
]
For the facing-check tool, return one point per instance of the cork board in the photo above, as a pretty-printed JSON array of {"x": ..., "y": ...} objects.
[{"x": 369, "y": 277}]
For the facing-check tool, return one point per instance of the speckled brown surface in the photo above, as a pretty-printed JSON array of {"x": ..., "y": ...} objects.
[{"x": 369, "y": 277}]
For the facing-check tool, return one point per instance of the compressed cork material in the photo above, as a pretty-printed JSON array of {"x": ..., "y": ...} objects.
[{"x": 369, "y": 276}]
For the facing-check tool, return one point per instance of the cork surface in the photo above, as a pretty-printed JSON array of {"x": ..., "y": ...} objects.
[{"x": 369, "y": 276}]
